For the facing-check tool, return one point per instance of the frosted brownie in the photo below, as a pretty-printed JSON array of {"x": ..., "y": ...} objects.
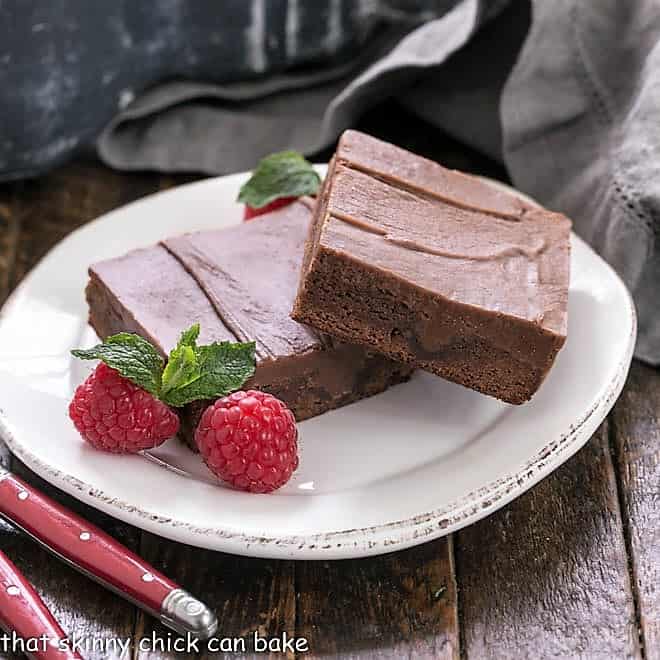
[
  {"x": 437, "y": 269},
  {"x": 239, "y": 284}
]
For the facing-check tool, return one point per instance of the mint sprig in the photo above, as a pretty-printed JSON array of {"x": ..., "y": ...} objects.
[
  {"x": 221, "y": 368},
  {"x": 182, "y": 366},
  {"x": 192, "y": 372},
  {"x": 282, "y": 174}
]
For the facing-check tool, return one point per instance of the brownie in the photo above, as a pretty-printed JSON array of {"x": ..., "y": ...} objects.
[
  {"x": 437, "y": 269},
  {"x": 239, "y": 284}
]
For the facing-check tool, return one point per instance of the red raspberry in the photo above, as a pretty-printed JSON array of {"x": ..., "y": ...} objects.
[
  {"x": 249, "y": 439},
  {"x": 113, "y": 414},
  {"x": 250, "y": 212}
]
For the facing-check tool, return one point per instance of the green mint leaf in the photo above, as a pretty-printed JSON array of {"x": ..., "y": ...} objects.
[
  {"x": 182, "y": 368},
  {"x": 192, "y": 372},
  {"x": 283, "y": 174},
  {"x": 189, "y": 337},
  {"x": 182, "y": 365},
  {"x": 132, "y": 356},
  {"x": 223, "y": 368}
]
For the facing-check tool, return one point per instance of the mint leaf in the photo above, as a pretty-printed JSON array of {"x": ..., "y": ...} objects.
[
  {"x": 283, "y": 174},
  {"x": 189, "y": 337},
  {"x": 192, "y": 372},
  {"x": 133, "y": 357},
  {"x": 182, "y": 365},
  {"x": 223, "y": 368}
]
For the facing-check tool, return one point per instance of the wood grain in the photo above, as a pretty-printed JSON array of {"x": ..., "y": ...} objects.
[
  {"x": 248, "y": 595},
  {"x": 547, "y": 575},
  {"x": 9, "y": 228},
  {"x": 636, "y": 443},
  {"x": 51, "y": 207},
  {"x": 394, "y": 606}
]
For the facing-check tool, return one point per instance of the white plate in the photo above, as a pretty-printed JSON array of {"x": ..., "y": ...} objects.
[{"x": 412, "y": 464}]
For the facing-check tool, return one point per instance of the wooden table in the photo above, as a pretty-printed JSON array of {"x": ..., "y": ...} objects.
[{"x": 570, "y": 569}]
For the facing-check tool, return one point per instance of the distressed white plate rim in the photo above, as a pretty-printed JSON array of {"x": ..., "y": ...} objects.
[{"x": 417, "y": 462}]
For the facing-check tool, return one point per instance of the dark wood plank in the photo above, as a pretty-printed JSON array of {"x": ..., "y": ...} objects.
[
  {"x": 636, "y": 443},
  {"x": 248, "y": 595},
  {"x": 547, "y": 576},
  {"x": 53, "y": 206},
  {"x": 398, "y": 605},
  {"x": 9, "y": 229}
]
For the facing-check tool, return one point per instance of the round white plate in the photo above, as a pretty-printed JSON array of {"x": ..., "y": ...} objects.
[{"x": 412, "y": 464}]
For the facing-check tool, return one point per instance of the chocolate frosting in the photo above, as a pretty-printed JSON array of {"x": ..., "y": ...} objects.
[
  {"x": 149, "y": 292},
  {"x": 448, "y": 233},
  {"x": 249, "y": 273},
  {"x": 239, "y": 284}
]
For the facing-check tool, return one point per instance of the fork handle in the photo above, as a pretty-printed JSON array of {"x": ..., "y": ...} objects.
[
  {"x": 22, "y": 611},
  {"x": 96, "y": 554}
]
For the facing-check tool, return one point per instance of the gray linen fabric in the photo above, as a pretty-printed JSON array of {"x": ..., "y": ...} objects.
[
  {"x": 182, "y": 126},
  {"x": 581, "y": 123}
]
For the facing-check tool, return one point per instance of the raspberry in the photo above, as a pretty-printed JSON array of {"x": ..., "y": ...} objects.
[
  {"x": 250, "y": 212},
  {"x": 113, "y": 414},
  {"x": 249, "y": 439}
]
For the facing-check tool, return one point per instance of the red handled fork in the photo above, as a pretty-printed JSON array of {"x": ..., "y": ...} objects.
[{"x": 96, "y": 554}]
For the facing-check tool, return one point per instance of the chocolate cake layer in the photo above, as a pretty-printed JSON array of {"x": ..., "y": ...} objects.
[
  {"x": 437, "y": 269},
  {"x": 239, "y": 284}
]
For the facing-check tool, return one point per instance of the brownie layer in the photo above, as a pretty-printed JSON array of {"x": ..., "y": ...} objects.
[
  {"x": 437, "y": 269},
  {"x": 239, "y": 284}
]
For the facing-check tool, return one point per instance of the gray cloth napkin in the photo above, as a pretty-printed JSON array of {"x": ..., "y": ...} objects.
[
  {"x": 217, "y": 128},
  {"x": 575, "y": 115}
]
